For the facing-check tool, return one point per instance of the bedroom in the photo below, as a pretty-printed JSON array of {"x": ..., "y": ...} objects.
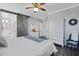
[{"x": 39, "y": 29}]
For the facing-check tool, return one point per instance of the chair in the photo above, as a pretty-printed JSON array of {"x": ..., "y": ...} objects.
[{"x": 73, "y": 40}]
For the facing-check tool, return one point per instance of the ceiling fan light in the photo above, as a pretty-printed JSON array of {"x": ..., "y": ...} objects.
[{"x": 35, "y": 9}]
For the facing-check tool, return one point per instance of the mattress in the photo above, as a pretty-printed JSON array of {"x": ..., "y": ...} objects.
[{"x": 25, "y": 47}]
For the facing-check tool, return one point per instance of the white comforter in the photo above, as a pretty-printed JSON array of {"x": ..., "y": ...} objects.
[{"x": 26, "y": 47}]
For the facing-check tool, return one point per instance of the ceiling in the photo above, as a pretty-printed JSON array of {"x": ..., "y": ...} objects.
[
  {"x": 50, "y": 7},
  {"x": 57, "y": 6}
]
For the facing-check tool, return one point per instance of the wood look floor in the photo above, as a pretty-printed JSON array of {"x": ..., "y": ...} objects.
[{"x": 66, "y": 51}]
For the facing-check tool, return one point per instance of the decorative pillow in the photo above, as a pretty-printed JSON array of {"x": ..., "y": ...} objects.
[{"x": 3, "y": 42}]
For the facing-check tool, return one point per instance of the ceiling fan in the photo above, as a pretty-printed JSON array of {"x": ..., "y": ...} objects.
[{"x": 37, "y": 6}]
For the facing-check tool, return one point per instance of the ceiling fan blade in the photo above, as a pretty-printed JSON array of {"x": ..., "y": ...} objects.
[
  {"x": 28, "y": 7},
  {"x": 42, "y": 9},
  {"x": 42, "y": 4}
]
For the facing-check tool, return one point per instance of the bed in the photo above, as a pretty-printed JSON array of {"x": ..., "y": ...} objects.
[{"x": 25, "y": 47}]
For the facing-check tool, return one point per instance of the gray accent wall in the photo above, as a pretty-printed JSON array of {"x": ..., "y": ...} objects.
[{"x": 22, "y": 25}]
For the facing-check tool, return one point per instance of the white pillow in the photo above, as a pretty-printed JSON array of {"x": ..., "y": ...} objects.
[
  {"x": 74, "y": 36},
  {"x": 3, "y": 42}
]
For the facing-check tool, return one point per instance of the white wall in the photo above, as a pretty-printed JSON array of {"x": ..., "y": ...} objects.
[{"x": 56, "y": 29}]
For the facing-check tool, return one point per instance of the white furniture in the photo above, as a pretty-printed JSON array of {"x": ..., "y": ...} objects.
[{"x": 26, "y": 47}]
